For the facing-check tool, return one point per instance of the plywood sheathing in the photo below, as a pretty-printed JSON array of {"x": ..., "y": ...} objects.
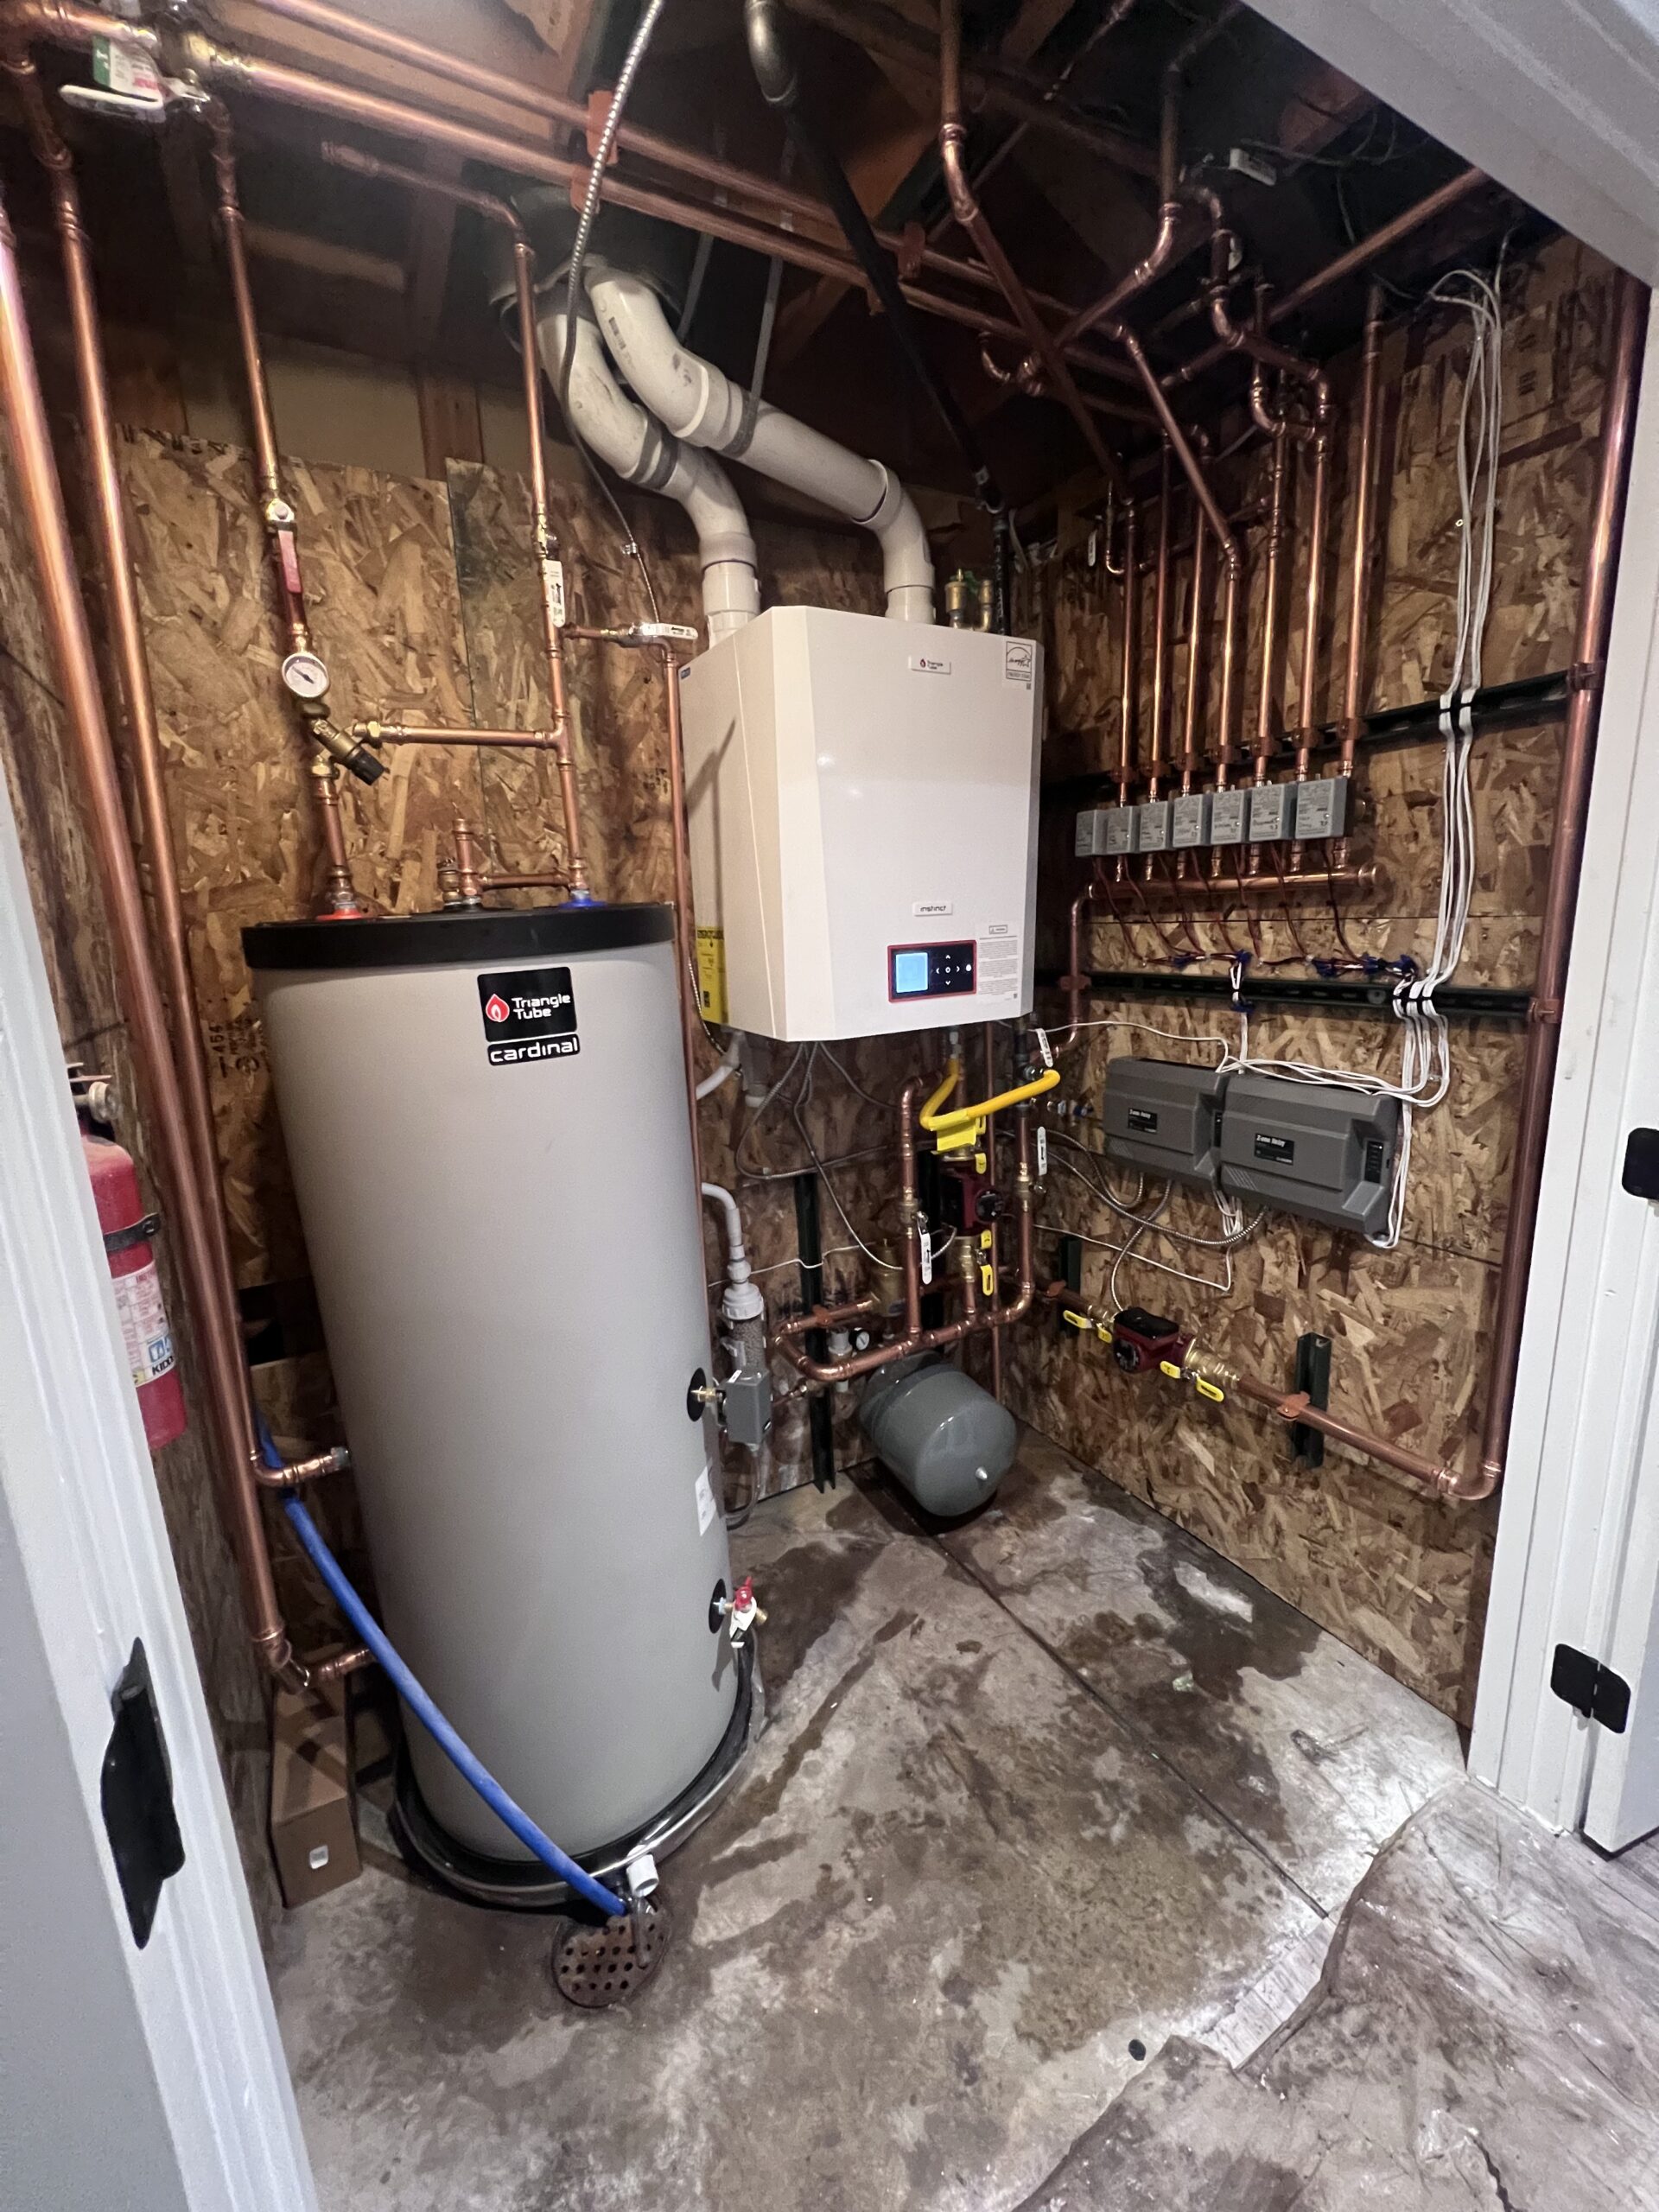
[
  {"x": 75, "y": 939},
  {"x": 1400, "y": 1578}
]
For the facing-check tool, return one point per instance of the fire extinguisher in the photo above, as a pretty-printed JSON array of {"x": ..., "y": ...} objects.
[{"x": 127, "y": 1234}]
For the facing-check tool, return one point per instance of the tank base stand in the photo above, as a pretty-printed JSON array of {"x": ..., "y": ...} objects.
[{"x": 600, "y": 1962}]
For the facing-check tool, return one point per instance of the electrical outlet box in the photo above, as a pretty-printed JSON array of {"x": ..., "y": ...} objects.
[
  {"x": 1228, "y": 810},
  {"x": 1091, "y": 833},
  {"x": 862, "y": 800},
  {"x": 1189, "y": 821},
  {"x": 1152, "y": 826},
  {"x": 1120, "y": 830},
  {"x": 1322, "y": 807},
  {"x": 1270, "y": 811},
  {"x": 1164, "y": 1117},
  {"x": 1324, "y": 1151}
]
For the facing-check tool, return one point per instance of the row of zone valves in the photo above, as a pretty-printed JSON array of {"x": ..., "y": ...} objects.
[{"x": 1251, "y": 814}]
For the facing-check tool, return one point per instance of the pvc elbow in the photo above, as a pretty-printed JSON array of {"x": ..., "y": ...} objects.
[{"x": 907, "y": 562}]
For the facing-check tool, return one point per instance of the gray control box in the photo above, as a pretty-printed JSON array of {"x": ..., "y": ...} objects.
[
  {"x": 1227, "y": 813},
  {"x": 1189, "y": 821},
  {"x": 1270, "y": 812},
  {"x": 1119, "y": 830},
  {"x": 1324, "y": 1151},
  {"x": 1091, "y": 833},
  {"x": 1152, "y": 826},
  {"x": 1163, "y": 1116},
  {"x": 1322, "y": 807}
]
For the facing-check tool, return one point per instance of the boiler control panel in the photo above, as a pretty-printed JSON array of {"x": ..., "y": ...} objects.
[{"x": 931, "y": 971}]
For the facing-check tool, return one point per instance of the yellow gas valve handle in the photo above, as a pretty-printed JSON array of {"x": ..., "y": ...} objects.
[{"x": 961, "y": 1125}]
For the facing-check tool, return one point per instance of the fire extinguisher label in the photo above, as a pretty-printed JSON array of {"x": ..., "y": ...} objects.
[
  {"x": 529, "y": 1013},
  {"x": 144, "y": 1333}
]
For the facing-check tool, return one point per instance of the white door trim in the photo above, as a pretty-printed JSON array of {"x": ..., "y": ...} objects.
[
  {"x": 81, "y": 1493},
  {"x": 1588, "y": 1347}
]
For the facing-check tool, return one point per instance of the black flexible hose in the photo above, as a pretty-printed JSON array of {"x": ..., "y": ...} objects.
[{"x": 773, "y": 63}]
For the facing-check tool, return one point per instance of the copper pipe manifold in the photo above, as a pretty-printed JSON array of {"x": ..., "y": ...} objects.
[{"x": 1191, "y": 890}]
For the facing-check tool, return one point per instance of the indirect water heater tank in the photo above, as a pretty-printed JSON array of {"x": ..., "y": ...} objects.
[{"x": 486, "y": 1117}]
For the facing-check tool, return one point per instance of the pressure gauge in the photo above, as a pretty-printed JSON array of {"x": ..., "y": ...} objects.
[{"x": 305, "y": 675}]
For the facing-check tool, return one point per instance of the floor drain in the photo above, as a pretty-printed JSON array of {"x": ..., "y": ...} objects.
[{"x": 606, "y": 1965}]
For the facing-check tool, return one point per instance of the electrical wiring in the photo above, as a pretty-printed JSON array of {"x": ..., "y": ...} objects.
[
  {"x": 847, "y": 1221},
  {"x": 1161, "y": 1267}
]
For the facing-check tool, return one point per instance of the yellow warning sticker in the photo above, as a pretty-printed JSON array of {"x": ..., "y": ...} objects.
[{"x": 711, "y": 973}]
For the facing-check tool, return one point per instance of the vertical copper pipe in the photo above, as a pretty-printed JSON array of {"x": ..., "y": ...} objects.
[
  {"x": 685, "y": 945},
  {"x": 340, "y": 901},
  {"x": 1160, "y": 633},
  {"x": 1191, "y": 733},
  {"x": 1268, "y": 714},
  {"x": 907, "y": 1206},
  {"x": 990, "y": 1040},
  {"x": 65, "y": 616},
  {"x": 1629, "y": 305},
  {"x": 1365, "y": 554},
  {"x": 1317, "y": 529},
  {"x": 1129, "y": 671},
  {"x": 547, "y": 570}
]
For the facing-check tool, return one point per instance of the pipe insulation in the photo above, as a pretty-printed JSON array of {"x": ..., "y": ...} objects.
[
  {"x": 642, "y": 452},
  {"x": 698, "y": 403}
]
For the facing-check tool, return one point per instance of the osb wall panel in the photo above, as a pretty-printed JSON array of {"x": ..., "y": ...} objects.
[
  {"x": 1400, "y": 1578},
  {"x": 75, "y": 936}
]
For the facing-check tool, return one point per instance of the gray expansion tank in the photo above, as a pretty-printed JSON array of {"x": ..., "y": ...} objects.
[
  {"x": 947, "y": 1441},
  {"x": 485, "y": 1115}
]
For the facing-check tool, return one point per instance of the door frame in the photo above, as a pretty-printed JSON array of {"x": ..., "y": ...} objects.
[
  {"x": 1590, "y": 1339},
  {"x": 77, "y": 1488}
]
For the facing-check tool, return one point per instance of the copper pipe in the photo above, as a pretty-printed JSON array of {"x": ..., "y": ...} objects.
[
  {"x": 1342, "y": 880},
  {"x": 66, "y": 23},
  {"x": 1157, "y": 758},
  {"x": 988, "y": 1043},
  {"x": 826, "y": 1317},
  {"x": 1294, "y": 1407},
  {"x": 547, "y": 879},
  {"x": 993, "y": 83},
  {"x": 953, "y": 138},
  {"x": 1001, "y": 1315},
  {"x": 1630, "y": 306},
  {"x": 1191, "y": 750},
  {"x": 320, "y": 1672},
  {"x": 1209, "y": 506},
  {"x": 685, "y": 942},
  {"x": 1364, "y": 557},
  {"x": 143, "y": 733},
  {"x": 468, "y": 863},
  {"x": 1313, "y": 617},
  {"x": 549, "y": 575},
  {"x": 1268, "y": 716},
  {"x": 65, "y": 617},
  {"x": 1077, "y": 979},
  {"x": 1359, "y": 256},
  {"x": 908, "y": 1206},
  {"x": 1129, "y": 669},
  {"x": 339, "y": 900}
]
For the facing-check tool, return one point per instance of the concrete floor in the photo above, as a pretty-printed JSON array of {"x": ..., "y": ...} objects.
[{"x": 1040, "y": 1801}]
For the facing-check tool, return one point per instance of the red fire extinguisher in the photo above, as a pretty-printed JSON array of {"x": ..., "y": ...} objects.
[{"x": 128, "y": 1230}]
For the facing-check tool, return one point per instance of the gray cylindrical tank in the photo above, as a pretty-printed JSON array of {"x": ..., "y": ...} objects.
[
  {"x": 486, "y": 1117},
  {"x": 947, "y": 1441}
]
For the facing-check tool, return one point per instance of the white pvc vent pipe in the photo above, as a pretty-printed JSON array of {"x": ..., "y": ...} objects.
[
  {"x": 637, "y": 447},
  {"x": 700, "y": 404}
]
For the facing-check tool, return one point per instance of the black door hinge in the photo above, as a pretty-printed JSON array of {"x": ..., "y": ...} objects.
[
  {"x": 1591, "y": 1688},
  {"x": 1641, "y": 1176},
  {"x": 136, "y": 1791}
]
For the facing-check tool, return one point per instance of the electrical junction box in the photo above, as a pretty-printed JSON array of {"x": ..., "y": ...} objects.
[
  {"x": 1326, "y": 1151},
  {"x": 1189, "y": 821},
  {"x": 1091, "y": 833},
  {"x": 1322, "y": 806},
  {"x": 1270, "y": 812},
  {"x": 1152, "y": 826},
  {"x": 1228, "y": 810},
  {"x": 862, "y": 797},
  {"x": 1120, "y": 830},
  {"x": 1163, "y": 1116}
]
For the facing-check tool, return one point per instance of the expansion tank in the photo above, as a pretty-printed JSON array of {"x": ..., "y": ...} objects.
[{"x": 486, "y": 1117}]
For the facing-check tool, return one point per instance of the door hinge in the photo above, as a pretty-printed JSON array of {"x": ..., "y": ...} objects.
[
  {"x": 135, "y": 1789},
  {"x": 1591, "y": 1688}
]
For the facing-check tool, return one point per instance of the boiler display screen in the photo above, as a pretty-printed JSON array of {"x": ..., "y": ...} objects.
[{"x": 931, "y": 971}]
